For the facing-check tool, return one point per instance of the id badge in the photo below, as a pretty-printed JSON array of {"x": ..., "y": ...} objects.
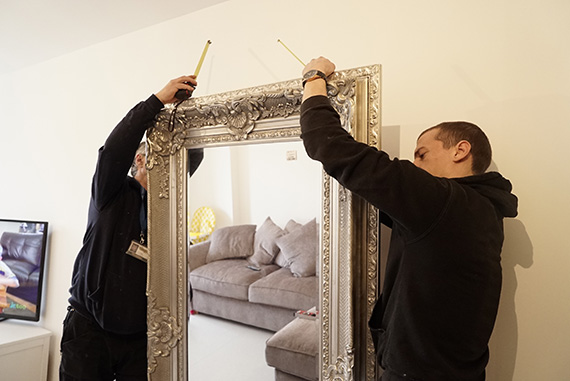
[{"x": 138, "y": 251}]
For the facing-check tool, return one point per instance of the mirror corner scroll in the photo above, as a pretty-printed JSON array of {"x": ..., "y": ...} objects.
[{"x": 349, "y": 227}]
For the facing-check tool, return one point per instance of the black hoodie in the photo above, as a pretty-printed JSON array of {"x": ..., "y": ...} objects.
[
  {"x": 443, "y": 277},
  {"x": 108, "y": 285}
]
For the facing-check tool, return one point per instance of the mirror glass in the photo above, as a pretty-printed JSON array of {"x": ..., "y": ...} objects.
[
  {"x": 265, "y": 117},
  {"x": 245, "y": 184}
]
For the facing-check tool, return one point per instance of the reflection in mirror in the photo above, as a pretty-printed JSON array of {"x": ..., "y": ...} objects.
[
  {"x": 247, "y": 183},
  {"x": 240, "y": 303}
]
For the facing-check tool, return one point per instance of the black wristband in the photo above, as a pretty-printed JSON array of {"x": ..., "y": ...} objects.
[{"x": 311, "y": 75}]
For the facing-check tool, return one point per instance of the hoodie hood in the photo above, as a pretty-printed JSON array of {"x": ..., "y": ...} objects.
[{"x": 497, "y": 189}]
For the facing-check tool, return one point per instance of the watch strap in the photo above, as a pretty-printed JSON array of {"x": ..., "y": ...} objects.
[{"x": 312, "y": 75}]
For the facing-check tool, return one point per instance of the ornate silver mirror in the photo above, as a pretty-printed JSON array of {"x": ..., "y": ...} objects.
[{"x": 348, "y": 226}]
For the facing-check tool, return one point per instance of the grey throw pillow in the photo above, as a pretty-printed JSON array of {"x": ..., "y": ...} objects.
[
  {"x": 231, "y": 242},
  {"x": 292, "y": 225},
  {"x": 280, "y": 259},
  {"x": 265, "y": 247},
  {"x": 300, "y": 249}
]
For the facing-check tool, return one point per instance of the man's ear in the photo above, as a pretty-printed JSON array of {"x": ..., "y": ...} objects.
[
  {"x": 139, "y": 160},
  {"x": 462, "y": 151}
]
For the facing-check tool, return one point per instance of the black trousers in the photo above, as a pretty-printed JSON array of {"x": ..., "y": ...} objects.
[
  {"x": 90, "y": 353},
  {"x": 389, "y": 376}
]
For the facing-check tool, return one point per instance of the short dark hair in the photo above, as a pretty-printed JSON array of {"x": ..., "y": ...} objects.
[
  {"x": 140, "y": 150},
  {"x": 451, "y": 133}
]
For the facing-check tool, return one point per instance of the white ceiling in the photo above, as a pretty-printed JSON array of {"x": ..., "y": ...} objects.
[{"x": 33, "y": 31}]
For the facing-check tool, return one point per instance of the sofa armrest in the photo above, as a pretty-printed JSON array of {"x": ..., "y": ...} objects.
[{"x": 197, "y": 255}]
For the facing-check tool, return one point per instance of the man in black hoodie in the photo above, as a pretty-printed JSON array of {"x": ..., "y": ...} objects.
[
  {"x": 443, "y": 276},
  {"x": 104, "y": 332}
]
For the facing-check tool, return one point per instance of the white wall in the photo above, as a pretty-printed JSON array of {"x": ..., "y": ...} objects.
[
  {"x": 262, "y": 183},
  {"x": 501, "y": 64}
]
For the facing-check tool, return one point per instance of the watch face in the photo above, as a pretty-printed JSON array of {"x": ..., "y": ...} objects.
[{"x": 309, "y": 74}]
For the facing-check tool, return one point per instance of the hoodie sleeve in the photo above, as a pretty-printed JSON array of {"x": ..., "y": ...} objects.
[
  {"x": 195, "y": 157},
  {"x": 117, "y": 154},
  {"x": 408, "y": 195}
]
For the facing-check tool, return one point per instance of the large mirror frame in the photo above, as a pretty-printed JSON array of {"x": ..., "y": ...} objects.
[{"x": 349, "y": 227}]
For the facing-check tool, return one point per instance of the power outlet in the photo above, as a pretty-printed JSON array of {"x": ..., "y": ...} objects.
[{"x": 291, "y": 155}]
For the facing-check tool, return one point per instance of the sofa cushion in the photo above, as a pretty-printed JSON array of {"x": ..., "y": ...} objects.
[
  {"x": 27, "y": 273},
  {"x": 265, "y": 247},
  {"x": 280, "y": 260},
  {"x": 197, "y": 254},
  {"x": 281, "y": 288},
  {"x": 300, "y": 249},
  {"x": 231, "y": 242},
  {"x": 295, "y": 349},
  {"x": 22, "y": 253},
  {"x": 289, "y": 227},
  {"x": 229, "y": 277},
  {"x": 22, "y": 247}
]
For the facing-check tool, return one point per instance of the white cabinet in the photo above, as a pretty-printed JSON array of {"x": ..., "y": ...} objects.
[{"x": 24, "y": 350}]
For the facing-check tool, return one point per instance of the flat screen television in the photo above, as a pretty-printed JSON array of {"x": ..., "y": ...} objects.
[{"x": 22, "y": 260}]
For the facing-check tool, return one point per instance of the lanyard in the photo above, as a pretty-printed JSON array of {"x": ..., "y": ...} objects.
[{"x": 143, "y": 216}]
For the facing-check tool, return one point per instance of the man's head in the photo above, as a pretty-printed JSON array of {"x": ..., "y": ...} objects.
[
  {"x": 453, "y": 149},
  {"x": 138, "y": 168}
]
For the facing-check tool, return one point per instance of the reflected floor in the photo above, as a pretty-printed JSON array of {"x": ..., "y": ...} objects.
[{"x": 223, "y": 350}]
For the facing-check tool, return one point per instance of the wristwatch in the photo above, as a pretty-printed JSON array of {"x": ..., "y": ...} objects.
[{"x": 311, "y": 75}]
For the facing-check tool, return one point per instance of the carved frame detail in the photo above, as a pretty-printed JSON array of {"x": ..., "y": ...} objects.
[{"x": 349, "y": 240}]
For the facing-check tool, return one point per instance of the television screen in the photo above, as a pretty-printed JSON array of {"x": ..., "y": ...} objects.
[{"x": 22, "y": 258}]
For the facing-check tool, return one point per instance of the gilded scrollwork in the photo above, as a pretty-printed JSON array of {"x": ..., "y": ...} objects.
[
  {"x": 342, "y": 369},
  {"x": 325, "y": 271},
  {"x": 263, "y": 114},
  {"x": 164, "y": 332},
  {"x": 341, "y": 93},
  {"x": 238, "y": 116}
]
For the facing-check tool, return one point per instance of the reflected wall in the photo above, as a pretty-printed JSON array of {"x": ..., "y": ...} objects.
[{"x": 244, "y": 184}]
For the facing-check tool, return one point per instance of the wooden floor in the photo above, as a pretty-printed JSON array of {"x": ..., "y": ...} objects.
[{"x": 223, "y": 350}]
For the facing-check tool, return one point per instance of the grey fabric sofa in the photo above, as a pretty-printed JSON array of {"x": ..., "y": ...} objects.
[
  {"x": 256, "y": 277},
  {"x": 294, "y": 350}
]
